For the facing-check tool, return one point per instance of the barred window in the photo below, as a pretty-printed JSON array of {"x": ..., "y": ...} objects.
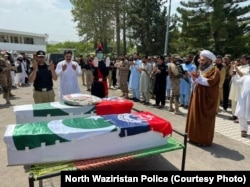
[{"x": 28, "y": 40}]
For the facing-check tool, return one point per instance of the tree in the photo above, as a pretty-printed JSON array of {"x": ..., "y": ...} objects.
[
  {"x": 147, "y": 24},
  {"x": 220, "y": 26},
  {"x": 94, "y": 20}
]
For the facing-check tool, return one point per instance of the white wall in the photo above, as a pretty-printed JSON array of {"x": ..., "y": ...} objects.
[{"x": 21, "y": 47}]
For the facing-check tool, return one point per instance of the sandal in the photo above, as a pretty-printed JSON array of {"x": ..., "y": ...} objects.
[
  {"x": 244, "y": 134},
  {"x": 236, "y": 121},
  {"x": 233, "y": 118}
]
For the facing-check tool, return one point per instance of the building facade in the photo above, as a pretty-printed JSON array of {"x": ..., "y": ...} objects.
[{"x": 18, "y": 41}]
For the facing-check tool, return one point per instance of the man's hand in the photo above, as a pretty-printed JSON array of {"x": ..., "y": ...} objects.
[
  {"x": 131, "y": 63},
  {"x": 95, "y": 62},
  {"x": 157, "y": 70},
  {"x": 35, "y": 66},
  {"x": 52, "y": 65},
  {"x": 74, "y": 66},
  {"x": 107, "y": 61},
  {"x": 64, "y": 67},
  {"x": 194, "y": 74}
]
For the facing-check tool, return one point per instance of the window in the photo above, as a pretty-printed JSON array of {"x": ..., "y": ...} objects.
[
  {"x": 1, "y": 38},
  {"x": 28, "y": 40},
  {"x": 14, "y": 39}
]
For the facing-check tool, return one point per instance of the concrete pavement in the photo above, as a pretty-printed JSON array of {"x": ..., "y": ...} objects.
[{"x": 228, "y": 152}]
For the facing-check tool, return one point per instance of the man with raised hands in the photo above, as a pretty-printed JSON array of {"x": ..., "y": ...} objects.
[
  {"x": 202, "y": 109},
  {"x": 68, "y": 71}
]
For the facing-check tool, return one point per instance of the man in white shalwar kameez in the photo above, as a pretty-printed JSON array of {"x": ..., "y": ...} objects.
[
  {"x": 243, "y": 104},
  {"x": 235, "y": 89},
  {"x": 21, "y": 73},
  {"x": 68, "y": 71},
  {"x": 134, "y": 78},
  {"x": 145, "y": 70}
]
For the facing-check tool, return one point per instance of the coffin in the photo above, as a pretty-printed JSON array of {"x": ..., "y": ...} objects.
[
  {"x": 63, "y": 110},
  {"x": 84, "y": 137}
]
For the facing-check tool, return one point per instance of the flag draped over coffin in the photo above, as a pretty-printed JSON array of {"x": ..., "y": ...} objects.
[{"x": 32, "y": 135}]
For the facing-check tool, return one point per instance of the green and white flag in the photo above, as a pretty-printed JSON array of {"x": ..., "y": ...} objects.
[
  {"x": 60, "y": 109},
  {"x": 52, "y": 109},
  {"x": 32, "y": 135}
]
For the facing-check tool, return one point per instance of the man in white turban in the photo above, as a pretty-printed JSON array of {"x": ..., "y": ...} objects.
[
  {"x": 208, "y": 54},
  {"x": 203, "y": 102}
]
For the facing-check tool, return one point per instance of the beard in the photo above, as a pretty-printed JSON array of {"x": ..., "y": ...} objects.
[
  {"x": 219, "y": 66},
  {"x": 204, "y": 66}
]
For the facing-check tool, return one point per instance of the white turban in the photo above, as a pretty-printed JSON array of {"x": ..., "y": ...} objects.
[
  {"x": 19, "y": 56},
  {"x": 208, "y": 54}
]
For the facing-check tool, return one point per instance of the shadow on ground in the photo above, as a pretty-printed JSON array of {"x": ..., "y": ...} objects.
[{"x": 219, "y": 151}]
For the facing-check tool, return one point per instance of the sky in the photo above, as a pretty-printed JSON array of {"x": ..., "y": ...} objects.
[{"x": 51, "y": 17}]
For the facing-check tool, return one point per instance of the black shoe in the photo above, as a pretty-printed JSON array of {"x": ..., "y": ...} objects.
[
  {"x": 160, "y": 107},
  {"x": 146, "y": 103},
  {"x": 199, "y": 145},
  {"x": 233, "y": 118},
  {"x": 136, "y": 100},
  {"x": 244, "y": 134}
]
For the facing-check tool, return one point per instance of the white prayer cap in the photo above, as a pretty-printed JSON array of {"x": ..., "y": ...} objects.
[
  {"x": 20, "y": 56},
  {"x": 208, "y": 54}
]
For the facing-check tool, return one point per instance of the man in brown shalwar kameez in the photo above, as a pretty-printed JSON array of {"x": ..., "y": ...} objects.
[{"x": 203, "y": 102}]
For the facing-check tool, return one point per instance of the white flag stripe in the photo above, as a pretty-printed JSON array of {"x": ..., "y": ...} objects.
[{"x": 70, "y": 133}]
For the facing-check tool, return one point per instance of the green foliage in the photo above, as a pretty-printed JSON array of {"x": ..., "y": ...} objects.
[
  {"x": 84, "y": 48},
  {"x": 94, "y": 20},
  {"x": 220, "y": 26},
  {"x": 147, "y": 22}
]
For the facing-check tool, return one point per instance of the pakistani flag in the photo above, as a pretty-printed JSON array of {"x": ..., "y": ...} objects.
[
  {"x": 32, "y": 135},
  {"x": 60, "y": 109}
]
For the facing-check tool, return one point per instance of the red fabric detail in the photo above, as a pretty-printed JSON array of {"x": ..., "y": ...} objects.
[
  {"x": 99, "y": 73},
  {"x": 156, "y": 123},
  {"x": 97, "y": 162},
  {"x": 92, "y": 63},
  {"x": 99, "y": 46},
  {"x": 113, "y": 106},
  {"x": 105, "y": 84}
]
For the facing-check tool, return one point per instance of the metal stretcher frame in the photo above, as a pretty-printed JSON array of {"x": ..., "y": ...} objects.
[{"x": 172, "y": 145}]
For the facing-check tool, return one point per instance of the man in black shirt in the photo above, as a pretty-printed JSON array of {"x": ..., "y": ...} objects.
[
  {"x": 82, "y": 64},
  {"x": 42, "y": 77}
]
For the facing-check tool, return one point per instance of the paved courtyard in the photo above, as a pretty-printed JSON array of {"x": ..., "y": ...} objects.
[{"x": 229, "y": 151}]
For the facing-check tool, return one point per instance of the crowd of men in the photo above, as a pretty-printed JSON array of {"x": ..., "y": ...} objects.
[
  {"x": 139, "y": 77},
  {"x": 168, "y": 78},
  {"x": 13, "y": 73}
]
